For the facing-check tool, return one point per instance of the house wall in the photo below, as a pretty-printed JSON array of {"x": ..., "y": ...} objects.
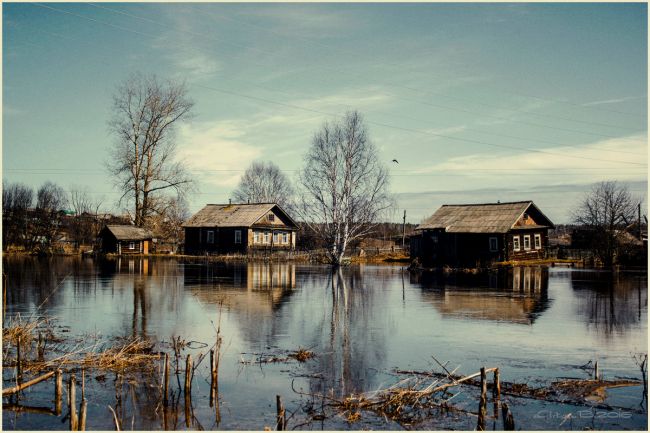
[
  {"x": 196, "y": 240},
  {"x": 527, "y": 254},
  {"x": 437, "y": 248}
]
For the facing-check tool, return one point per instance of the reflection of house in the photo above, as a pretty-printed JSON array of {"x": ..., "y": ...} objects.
[
  {"x": 478, "y": 234},
  {"x": 222, "y": 228},
  {"x": 517, "y": 295},
  {"x": 123, "y": 239}
]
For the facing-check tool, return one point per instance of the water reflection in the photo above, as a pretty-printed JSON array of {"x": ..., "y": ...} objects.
[
  {"x": 516, "y": 295},
  {"x": 608, "y": 302}
]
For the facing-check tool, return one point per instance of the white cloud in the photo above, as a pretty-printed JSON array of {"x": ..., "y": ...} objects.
[
  {"x": 216, "y": 151},
  {"x": 614, "y": 101}
]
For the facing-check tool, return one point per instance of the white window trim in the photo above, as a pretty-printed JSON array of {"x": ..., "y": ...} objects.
[
  {"x": 538, "y": 241},
  {"x": 267, "y": 238},
  {"x": 496, "y": 243},
  {"x": 285, "y": 238},
  {"x": 238, "y": 236},
  {"x": 527, "y": 238},
  {"x": 131, "y": 245},
  {"x": 256, "y": 237},
  {"x": 516, "y": 245}
]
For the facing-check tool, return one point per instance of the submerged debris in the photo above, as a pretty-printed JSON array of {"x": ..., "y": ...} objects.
[{"x": 300, "y": 355}]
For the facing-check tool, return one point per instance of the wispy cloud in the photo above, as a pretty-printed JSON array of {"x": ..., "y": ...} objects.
[
  {"x": 614, "y": 101},
  {"x": 216, "y": 151}
]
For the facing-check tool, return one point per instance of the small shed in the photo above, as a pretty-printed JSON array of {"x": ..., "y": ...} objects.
[
  {"x": 125, "y": 239},
  {"x": 240, "y": 228},
  {"x": 475, "y": 235}
]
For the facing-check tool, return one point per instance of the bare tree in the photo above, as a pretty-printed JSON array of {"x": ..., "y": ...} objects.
[
  {"x": 86, "y": 223},
  {"x": 606, "y": 210},
  {"x": 345, "y": 185},
  {"x": 167, "y": 223},
  {"x": 264, "y": 183},
  {"x": 17, "y": 199},
  {"x": 46, "y": 228},
  {"x": 145, "y": 114}
]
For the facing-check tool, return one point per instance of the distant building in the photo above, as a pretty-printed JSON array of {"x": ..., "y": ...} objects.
[
  {"x": 226, "y": 228},
  {"x": 125, "y": 239},
  {"x": 474, "y": 235}
]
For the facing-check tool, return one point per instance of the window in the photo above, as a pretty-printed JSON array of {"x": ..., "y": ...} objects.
[
  {"x": 210, "y": 237},
  {"x": 275, "y": 238},
  {"x": 238, "y": 236},
  {"x": 538, "y": 242},
  {"x": 515, "y": 243},
  {"x": 131, "y": 245},
  {"x": 271, "y": 217},
  {"x": 494, "y": 245},
  {"x": 266, "y": 237},
  {"x": 526, "y": 242},
  {"x": 256, "y": 237},
  {"x": 285, "y": 238}
]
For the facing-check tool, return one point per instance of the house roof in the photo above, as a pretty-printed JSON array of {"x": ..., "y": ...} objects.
[
  {"x": 483, "y": 218},
  {"x": 129, "y": 233},
  {"x": 233, "y": 215}
]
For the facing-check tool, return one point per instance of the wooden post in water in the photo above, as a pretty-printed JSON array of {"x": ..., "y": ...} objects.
[
  {"x": 497, "y": 385},
  {"x": 482, "y": 407},
  {"x": 508, "y": 419},
  {"x": 211, "y": 377},
  {"x": 166, "y": 382},
  {"x": 83, "y": 384},
  {"x": 19, "y": 363},
  {"x": 4, "y": 298},
  {"x": 40, "y": 348},
  {"x": 58, "y": 391},
  {"x": 281, "y": 415},
  {"x": 188, "y": 375},
  {"x": 72, "y": 391},
  {"x": 82, "y": 415},
  {"x": 596, "y": 372}
]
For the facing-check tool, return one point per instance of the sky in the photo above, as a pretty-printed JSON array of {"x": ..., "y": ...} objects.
[{"x": 477, "y": 102}]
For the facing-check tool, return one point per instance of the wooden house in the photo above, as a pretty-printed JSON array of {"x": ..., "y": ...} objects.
[
  {"x": 239, "y": 228},
  {"x": 125, "y": 239},
  {"x": 475, "y": 235}
]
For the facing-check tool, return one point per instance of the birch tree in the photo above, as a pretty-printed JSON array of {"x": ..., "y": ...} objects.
[
  {"x": 145, "y": 115},
  {"x": 606, "y": 210},
  {"x": 345, "y": 185},
  {"x": 263, "y": 182}
]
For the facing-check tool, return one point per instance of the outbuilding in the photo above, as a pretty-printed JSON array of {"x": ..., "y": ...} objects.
[
  {"x": 475, "y": 235},
  {"x": 125, "y": 239}
]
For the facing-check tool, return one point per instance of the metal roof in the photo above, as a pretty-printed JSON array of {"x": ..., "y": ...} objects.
[
  {"x": 233, "y": 215},
  {"x": 129, "y": 233},
  {"x": 481, "y": 218}
]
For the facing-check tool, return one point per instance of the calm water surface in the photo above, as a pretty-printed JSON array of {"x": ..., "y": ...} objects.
[{"x": 535, "y": 324}]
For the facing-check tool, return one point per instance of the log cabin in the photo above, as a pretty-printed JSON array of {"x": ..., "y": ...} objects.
[
  {"x": 240, "y": 228},
  {"x": 125, "y": 239},
  {"x": 476, "y": 235}
]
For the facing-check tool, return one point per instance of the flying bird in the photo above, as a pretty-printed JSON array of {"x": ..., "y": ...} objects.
[{"x": 395, "y": 161}]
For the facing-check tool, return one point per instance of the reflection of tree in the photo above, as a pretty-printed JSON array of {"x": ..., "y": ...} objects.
[
  {"x": 611, "y": 303},
  {"x": 516, "y": 295}
]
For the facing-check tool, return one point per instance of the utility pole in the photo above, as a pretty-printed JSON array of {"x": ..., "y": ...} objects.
[
  {"x": 640, "y": 236},
  {"x": 404, "y": 227}
]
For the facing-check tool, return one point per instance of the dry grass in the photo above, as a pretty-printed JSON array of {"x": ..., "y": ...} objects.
[
  {"x": 302, "y": 355},
  {"x": 19, "y": 327}
]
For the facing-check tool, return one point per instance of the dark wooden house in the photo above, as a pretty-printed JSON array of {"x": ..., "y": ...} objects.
[
  {"x": 241, "y": 228},
  {"x": 125, "y": 239},
  {"x": 475, "y": 235}
]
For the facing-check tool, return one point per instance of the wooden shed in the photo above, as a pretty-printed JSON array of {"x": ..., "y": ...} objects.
[
  {"x": 475, "y": 235},
  {"x": 241, "y": 228},
  {"x": 125, "y": 239}
]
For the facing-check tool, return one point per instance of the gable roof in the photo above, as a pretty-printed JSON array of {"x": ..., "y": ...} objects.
[
  {"x": 483, "y": 218},
  {"x": 129, "y": 233},
  {"x": 234, "y": 215}
]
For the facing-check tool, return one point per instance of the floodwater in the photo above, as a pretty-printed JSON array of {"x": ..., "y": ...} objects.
[{"x": 363, "y": 324}]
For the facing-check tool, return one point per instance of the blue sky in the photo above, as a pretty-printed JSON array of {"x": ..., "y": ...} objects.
[{"x": 477, "y": 102}]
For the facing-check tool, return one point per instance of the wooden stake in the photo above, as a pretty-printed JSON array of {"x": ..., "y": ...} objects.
[
  {"x": 188, "y": 375},
  {"x": 19, "y": 361},
  {"x": 166, "y": 382},
  {"x": 497, "y": 385},
  {"x": 41, "y": 347},
  {"x": 508, "y": 419},
  {"x": 15, "y": 389},
  {"x": 72, "y": 391},
  {"x": 596, "y": 372},
  {"x": 58, "y": 391},
  {"x": 4, "y": 298},
  {"x": 482, "y": 410},
  {"x": 82, "y": 415},
  {"x": 83, "y": 385},
  {"x": 211, "y": 377},
  {"x": 281, "y": 415}
]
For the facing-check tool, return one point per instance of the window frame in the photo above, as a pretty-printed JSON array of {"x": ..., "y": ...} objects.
[
  {"x": 538, "y": 241},
  {"x": 131, "y": 245},
  {"x": 516, "y": 244},
  {"x": 256, "y": 237},
  {"x": 496, "y": 244},
  {"x": 285, "y": 238},
  {"x": 267, "y": 238},
  {"x": 527, "y": 246},
  {"x": 275, "y": 238},
  {"x": 209, "y": 237},
  {"x": 271, "y": 217},
  {"x": 238, "y": 236}
]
